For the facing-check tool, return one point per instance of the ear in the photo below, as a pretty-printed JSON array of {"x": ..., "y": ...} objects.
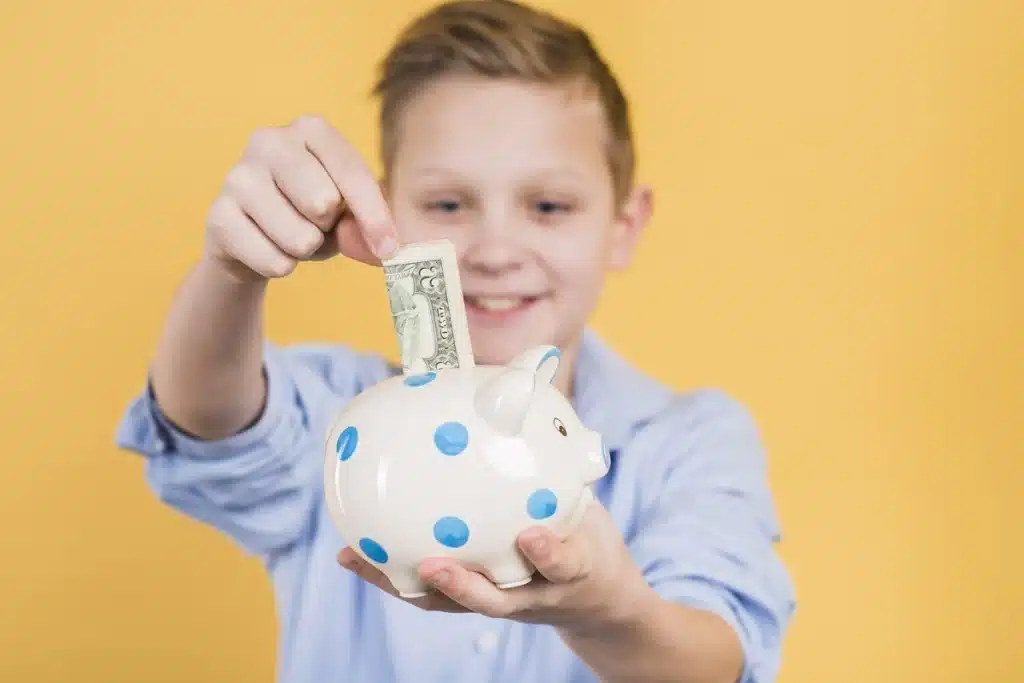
[
  {"x": 541, "y": 361},
  {"x": 503, "y": 400},
  {"x": 634, "y": 214}
]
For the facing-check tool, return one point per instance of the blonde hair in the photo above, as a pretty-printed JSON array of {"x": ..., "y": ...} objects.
[{"x": 500, "y": 39}]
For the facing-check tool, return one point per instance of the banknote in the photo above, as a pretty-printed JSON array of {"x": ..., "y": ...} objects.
[{"x": 427, "y": 307}]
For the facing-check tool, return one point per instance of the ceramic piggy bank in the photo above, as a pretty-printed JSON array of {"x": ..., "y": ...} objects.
[{"x": 457, "y": 463}]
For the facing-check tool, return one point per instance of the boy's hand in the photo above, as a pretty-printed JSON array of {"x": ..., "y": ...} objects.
[
  {"x": 584, "y": 582},
  {"x": 300, "y": 192}
]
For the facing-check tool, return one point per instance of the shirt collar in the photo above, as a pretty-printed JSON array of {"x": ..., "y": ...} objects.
[{"x": 611, "y": 396}]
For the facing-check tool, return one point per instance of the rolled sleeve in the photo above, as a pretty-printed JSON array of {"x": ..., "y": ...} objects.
[
  {"x": 258, "y": 486},
  {"x": 709, "y": 539}
]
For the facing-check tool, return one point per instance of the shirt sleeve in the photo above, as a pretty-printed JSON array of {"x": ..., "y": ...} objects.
[
  {"x": 261, "y": 486},
  {"x": 708, "y": 540}
]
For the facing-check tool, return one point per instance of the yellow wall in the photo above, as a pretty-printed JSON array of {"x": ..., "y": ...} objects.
[{"x": 838, "y": 241}]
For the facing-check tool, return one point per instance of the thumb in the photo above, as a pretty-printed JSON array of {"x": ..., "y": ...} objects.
[{"x": 348, "y": 238}]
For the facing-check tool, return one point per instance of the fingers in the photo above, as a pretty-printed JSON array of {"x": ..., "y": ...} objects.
[
  {"x": 256, "y": 193},
  {"x": 351, "y": 560},
  {"x": 472, "y": 591},
  {"x": 354, "y": 181},
  {"x": 241, "y": 239},
  {"x": 566, "y": 589},
  {"x": 298, "y": 176},
  {"x": 558, "y": 561},
  {"x": 348, "y": 238},
  {"x": 458, "y": 589},
  {"x": 303, "y": 191}
]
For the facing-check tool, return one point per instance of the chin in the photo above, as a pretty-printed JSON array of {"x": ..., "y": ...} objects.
[
  {"x": 498, "y": 336},
  {"x": 489, "y": 352},
  {"x": 498, "y": 347}
]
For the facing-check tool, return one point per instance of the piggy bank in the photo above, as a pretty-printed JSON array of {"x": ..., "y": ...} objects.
[{"x": 457, "y": 463}]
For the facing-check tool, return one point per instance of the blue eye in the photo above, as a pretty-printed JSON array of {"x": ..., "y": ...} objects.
[
  {"x": 447, "y": 206},
  {"x": 550, "y": 207}
]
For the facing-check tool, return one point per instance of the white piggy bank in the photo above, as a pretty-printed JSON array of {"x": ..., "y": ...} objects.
[{"x": 457, "y": 463}]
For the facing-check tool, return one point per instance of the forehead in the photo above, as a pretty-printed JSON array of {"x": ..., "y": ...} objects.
[{"x": 477, "y": 125}]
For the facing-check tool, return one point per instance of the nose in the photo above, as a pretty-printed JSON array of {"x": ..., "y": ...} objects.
[
  {"x": 493, "y": 244},
  {"x": 490, "y": 255}
]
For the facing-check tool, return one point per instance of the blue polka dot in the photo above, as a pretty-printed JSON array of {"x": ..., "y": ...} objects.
[
  {"x": 373, "y": 550},
  {"x": 420, "y": 380},
  {"x": 541, "y": 504},
  {"x": 347, "y": 442},
  {"x": 451, "y": 438},
  {"x": 451, "y": 532}
]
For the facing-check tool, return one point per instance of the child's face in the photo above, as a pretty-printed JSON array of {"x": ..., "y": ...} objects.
[{"x": 517, "y": 177}]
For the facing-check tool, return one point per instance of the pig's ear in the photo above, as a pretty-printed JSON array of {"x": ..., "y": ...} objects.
[
  {"x": 504, "y": 399},
  {"x": 541, "y": 361}
]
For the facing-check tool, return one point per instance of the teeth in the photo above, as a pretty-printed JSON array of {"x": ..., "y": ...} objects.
[{"x": 497, "y": 303}]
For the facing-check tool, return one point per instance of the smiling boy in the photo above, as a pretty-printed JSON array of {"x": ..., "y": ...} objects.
[{"x": 504, "y": 132}]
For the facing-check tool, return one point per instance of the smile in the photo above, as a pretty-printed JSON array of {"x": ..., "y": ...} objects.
[
  {"x": 498, "y": 310},
  {"x": 497, "y": 304}
]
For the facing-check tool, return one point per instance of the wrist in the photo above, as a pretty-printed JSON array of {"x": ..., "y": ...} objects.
[
  {"x": 230, "y": 273},
  {"x": 625, "y": 612}
]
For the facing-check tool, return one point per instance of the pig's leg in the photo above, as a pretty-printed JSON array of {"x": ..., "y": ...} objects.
[
  {"x": 408, "y": 584},
  {"x": 511, "y": 571}
]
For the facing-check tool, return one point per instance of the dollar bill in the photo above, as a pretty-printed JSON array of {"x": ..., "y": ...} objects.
[{"x": 427, "y": 307}]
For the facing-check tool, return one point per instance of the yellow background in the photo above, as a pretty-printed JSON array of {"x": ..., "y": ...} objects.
[{"x": 837, "y": 241}]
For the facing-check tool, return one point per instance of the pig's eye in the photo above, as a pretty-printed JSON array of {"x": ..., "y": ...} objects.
[{"x": 560, "y": 427}]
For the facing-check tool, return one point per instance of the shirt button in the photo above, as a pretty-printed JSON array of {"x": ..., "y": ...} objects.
[{"x": 486, "y": 641}]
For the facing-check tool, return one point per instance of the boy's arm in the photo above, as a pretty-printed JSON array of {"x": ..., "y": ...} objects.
[
  {"x": 721, "y": 594},
  {"x": 261, "y": 486},
  {"x": 299, "y": 193},
  {"x": 208, "y": 372},
  {"x": 224, "y": 421},
  {"x": 695, "y": 593},
  {"x": 227, "y": 422}
]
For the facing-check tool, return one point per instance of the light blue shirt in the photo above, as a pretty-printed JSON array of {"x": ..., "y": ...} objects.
[{"x": 687, "y": 488}]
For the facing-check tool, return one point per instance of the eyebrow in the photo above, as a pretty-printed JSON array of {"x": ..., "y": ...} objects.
[
  {"x": 434, "y": 171},
  {"x": 534, "y": 175}
]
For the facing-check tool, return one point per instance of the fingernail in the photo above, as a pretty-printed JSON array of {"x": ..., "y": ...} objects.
[
  {"x": 441, "y": 577},
  {"x": 386, "y": 246},
  {"x": 538, "y": 545}
]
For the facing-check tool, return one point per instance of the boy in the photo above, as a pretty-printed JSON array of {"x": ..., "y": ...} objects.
[{"x": 502, "y": 130}]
